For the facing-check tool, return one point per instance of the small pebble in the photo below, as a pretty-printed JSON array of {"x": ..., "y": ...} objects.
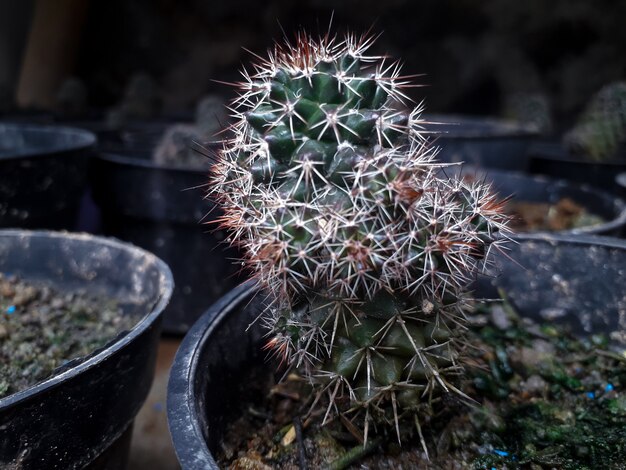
[
  {"x": 247, "y": 463},
  {"x": 531, "y": 358},
  {"x": 499, "y": 317},
  {"x": 564, "y": 416},
  {"x": 552, "y": 314},
  {"x": 535, "y": 384},
  {"x": 6, "y": 290}
]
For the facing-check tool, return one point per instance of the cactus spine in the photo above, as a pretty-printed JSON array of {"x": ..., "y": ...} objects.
[{"x": 332, "y": 189}]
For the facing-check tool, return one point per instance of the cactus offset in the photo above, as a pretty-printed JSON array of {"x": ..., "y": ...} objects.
[
  {"x": 334, "y": 193},
  {"x": 602, "y": 126}
]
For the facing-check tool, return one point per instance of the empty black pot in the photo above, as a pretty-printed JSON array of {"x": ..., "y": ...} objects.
[
  {"x": 162, "y": 209},
  {"x": 82, "y": 416},
  {"x": 552, "y": 159},
  {"x": 42, "y": 175},
  {"x": 546, "y": 190},
  {"x": 481, "y": 142},
  {"x": 582, "y": 277}
]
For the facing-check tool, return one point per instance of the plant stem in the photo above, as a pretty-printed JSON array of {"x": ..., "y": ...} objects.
[
  {"x": 354, "y": 454},
  {"x": 297, "y": 423}
]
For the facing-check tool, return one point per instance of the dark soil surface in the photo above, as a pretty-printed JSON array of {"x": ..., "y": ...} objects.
[
  {"x": 42, "y": 329},
  {"x": 545, "y": 400},
  {"x": 537, "y": 216}
]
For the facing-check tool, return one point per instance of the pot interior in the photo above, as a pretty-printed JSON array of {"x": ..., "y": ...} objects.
[
  {"x": 571, "y": 281},
  {"x": 537, "y": 189}
]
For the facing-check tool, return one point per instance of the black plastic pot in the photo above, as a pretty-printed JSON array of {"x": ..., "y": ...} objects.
[
  {"x": 546, "y": 190},
  {"x": 620, "y": 181},
  {"x": 481, "y": 142},
  {"x": 82, "y": 416},
  {"x": 577, "y": 279},
  {"x": 138, "y": 136},
  {"x": 552, "y": 159},
  {"x": 42, "y": 175},
  {"x": 162, "y": 209}
]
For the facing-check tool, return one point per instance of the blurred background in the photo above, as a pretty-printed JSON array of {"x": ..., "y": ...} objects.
[{"x": 476, "y": 57}]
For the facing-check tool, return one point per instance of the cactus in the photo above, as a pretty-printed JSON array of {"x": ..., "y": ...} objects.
[
  {"x": 179, "y": 143},
  {"x": 366, "y": 248},
  {"x": 71, "y": 97},
  {"x": 602, "y": 126},
  {"x": 177, "y": 147},
  {"x": 141, "y": 100}
]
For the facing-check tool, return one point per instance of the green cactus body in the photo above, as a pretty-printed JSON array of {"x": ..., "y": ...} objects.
[
  {"x": 333, "y": 190},
  {"x": 602, "y": 126}
]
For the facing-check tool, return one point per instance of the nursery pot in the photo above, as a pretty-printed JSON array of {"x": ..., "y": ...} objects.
[
  {"x": 574, "y": 274},
  {"x": 135, "y": 136},
  {"x": 481, "y": 142},
  {"x": 82, "y": 416},
  {"x": 620, "y": 181},
  {"x": 42, "y": 175},
  {"x": 539, "y": 189},
  {"x": 163, "y": 210},
  {"x": 552, "y": 159}
]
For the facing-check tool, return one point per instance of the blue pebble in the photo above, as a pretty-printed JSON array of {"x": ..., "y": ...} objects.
[
  {"x": 501, "y": 453},
  {"x": 608, "y": 388},
  {"x": 494, "y": 468},
  {"x": 11, "y": 309},
  {"x": 591, "y": 395}
]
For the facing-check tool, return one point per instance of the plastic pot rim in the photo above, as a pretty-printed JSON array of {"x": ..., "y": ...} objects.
[
  {"x": 500, "y": 128},
  {"x": 119, "y": 158},
  {"x": 167, "y": 286},
  {"x": 85, "y": 140},
  {"x": 183, "y": 375},
  {"x": 556, "y": 152},
  {"x": 569, "y": 238}
]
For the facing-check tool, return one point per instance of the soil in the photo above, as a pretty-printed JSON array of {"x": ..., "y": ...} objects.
[
  {"x": 545, "y": 400},
  {"x": 42, "y": 329},
  {"x": 537, "y": 216}
]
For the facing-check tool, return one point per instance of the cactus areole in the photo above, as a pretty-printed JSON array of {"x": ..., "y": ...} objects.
[{"x": 332, "y": 188}]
